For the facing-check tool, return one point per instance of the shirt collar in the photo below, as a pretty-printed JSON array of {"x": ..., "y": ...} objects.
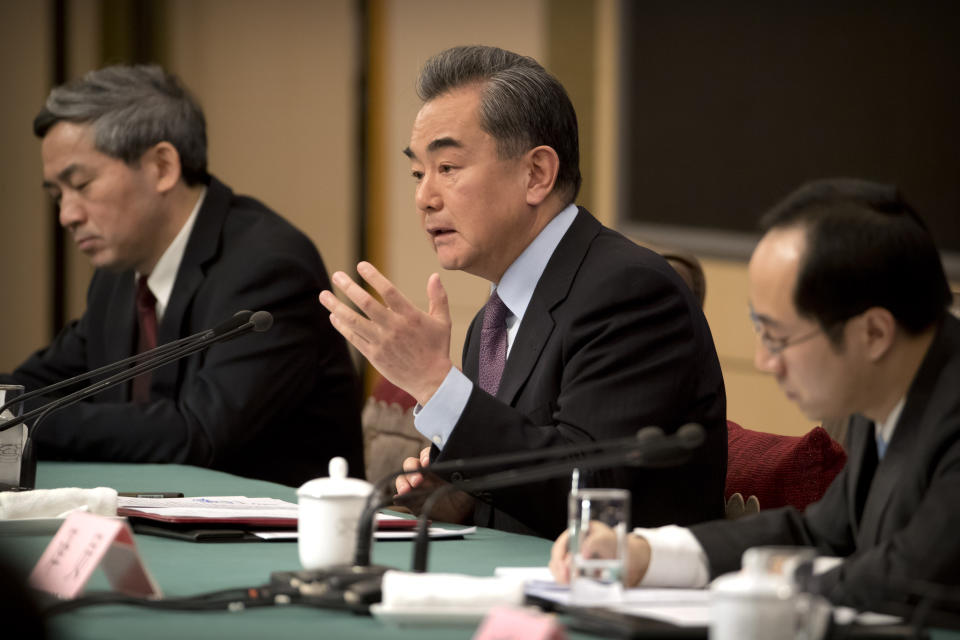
[
  {"x": 520, "y": 279},
  {"x": 886, "y": 428},
  {"x": 164, "y": 274}
]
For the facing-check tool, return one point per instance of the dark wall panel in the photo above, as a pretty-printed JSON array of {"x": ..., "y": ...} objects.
[{"x": 728, "y": 106}]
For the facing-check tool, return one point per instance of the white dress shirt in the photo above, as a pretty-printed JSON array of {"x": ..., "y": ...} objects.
[{"x": 164, "y": 274}]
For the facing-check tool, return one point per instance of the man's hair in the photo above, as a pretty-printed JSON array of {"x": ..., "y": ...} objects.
[
  {"x": 522, "y": 106},
  {"x": 866, "y": 247},
  {"x": 132, "y": 108}
]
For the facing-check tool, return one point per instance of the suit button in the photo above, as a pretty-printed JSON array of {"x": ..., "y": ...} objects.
[{"x": 456, "y": 476}]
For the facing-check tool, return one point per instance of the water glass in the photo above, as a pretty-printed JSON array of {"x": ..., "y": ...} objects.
[
  {"x": 13, "y": 440},
  {"x": 598, "y": 526}
]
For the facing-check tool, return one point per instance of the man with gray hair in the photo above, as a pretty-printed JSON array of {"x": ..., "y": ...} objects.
[
  {"x": 586, "y": 335},
  {"x": 125, "y": 158}
]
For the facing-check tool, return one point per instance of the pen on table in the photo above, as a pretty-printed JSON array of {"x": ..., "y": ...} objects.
[{"x": 150, "y": 494}]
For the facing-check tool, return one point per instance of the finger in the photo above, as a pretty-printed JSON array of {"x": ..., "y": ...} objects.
[
  {"x": 403, "y": 485},
  {"x": 328, "y": 300},
  {"x": 439, "y": 305},
  {"x": 425, "y": 457},
  {"x": 388, "y": 291},
  {"x": 413, "y": 479},
  {"x": 364, "y": 301},
  {"x": 559, "y": 557},
  {"x": 411, "y": 464},
  {"x": 359, "y": 331}
]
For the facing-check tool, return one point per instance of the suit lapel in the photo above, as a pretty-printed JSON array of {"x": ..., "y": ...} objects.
[
  {"x": 908, "y": 432},
  {"x": 885, "y": 481},
  {"x": 551, "y": 290},
  {"x": 122, "y": 341},
  {"x": 203, "y": 245}
]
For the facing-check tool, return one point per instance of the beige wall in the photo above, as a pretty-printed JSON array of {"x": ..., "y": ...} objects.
[
  {"x": 24, "y": 210},
  {"x": 277, "y": 82}
]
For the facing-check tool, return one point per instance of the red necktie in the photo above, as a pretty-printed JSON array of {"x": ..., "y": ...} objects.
[
  {"x": 146, "y": 336},
  {"x": 493, "y": 344}
]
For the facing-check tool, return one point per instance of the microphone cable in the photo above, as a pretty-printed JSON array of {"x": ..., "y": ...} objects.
[{"x": 233, "y": 600}]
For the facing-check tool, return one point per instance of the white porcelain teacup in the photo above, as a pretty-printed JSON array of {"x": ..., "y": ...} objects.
[
  {"x": 764, "y": 601},
  {"x": 330, "y": 509}
]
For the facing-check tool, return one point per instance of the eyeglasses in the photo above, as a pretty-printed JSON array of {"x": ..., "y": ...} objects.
[{"x": 775, "y": 345}]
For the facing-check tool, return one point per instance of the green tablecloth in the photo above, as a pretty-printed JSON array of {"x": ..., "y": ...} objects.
[{"x": 185, "y": 568}]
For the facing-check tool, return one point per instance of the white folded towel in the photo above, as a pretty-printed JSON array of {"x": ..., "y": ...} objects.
[
  {"x": 57, "y": 503},
  {"x": 403, "y": 590}
]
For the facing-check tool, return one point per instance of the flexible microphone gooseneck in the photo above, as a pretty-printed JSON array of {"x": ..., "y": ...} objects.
[
  {"x": 340, "y": 578},
  {"x": 359, "y": 585},
  {"x": 648, "y": 449},
  {"x": 259, "y": 322},
  {"x": 237, "y": 320},
  {"x": 377, "y": 501}
]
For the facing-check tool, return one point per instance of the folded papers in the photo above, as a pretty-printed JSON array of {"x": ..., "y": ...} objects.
[
  {"x": 404, "y": 590},
  {"x": 57, "y": 503}
]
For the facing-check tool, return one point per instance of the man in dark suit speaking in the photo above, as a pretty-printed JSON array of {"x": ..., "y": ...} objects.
[
  {"x": 586, "y": 336},
  {"x": 177, "y": 252},
  {"x": 849, "y": 300}
]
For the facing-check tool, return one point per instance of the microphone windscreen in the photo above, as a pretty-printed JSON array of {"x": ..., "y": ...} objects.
[
  {"x": 240, "y": 318},
  {"x": 650, "y": 433},
  {"x": 262, "y": 321},
  {"x": 691, "y": 435}
]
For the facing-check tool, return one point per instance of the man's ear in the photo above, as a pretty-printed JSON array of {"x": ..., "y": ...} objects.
[
  {"x": 543, "y": 165},
  {"x": 878, "y": 331},
  {"x": 164, "y": 162}
]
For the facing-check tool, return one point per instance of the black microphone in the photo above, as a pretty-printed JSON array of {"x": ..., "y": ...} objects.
[
  {"x": 360, "y": 581},
  {"x": 239, "y": 318},
  {"x": 357, "y": 586},
  {"x": 348, "y": 580},
  {"x": 259, "y": 322},
  {"x": 377, "y": 500},
  {"x": 648, "y": 449}
]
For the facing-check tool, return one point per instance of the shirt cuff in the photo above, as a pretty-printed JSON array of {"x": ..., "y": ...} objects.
[
  {"x": 676, "y": 558},
  {"x": 436, "y": 419}
]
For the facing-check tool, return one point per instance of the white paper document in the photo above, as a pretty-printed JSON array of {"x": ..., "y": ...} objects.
[
  {"x": 436, "y": 533},
  {"x": 213, "y": 507},
  {"x": 682, "y": 607}
]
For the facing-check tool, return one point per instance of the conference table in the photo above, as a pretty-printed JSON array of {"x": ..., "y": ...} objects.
[{"x": 183, "y": 568}]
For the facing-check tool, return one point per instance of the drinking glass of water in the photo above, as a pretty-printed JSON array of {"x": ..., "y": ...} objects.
[{"x": 598, "y": 526}]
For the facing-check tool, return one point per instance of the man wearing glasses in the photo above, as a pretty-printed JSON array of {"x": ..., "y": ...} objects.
[{"x": 849, "y": 300}]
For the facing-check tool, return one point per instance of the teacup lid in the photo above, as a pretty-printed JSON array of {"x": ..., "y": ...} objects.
[
  {"x": 747, "y": 583},
  {"x": 338, "y": 485}
]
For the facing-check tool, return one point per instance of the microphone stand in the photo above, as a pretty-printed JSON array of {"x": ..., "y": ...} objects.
[
  {"x": 359, "y": 585},
  {"x": 238, "y": 319},
  {"x": 259, "y": 322},
  {"x": 650, "y": 451},
  {"x": 363, "y": 577},
  {"x": 377, "y": 501}
]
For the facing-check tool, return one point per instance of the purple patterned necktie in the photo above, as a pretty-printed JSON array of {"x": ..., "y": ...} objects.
[{"x": 493, "y": 344}]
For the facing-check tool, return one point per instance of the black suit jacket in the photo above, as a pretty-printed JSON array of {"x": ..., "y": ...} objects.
[
  {"x": 612, "y": 341},
  {"x": 910, "y": 520},
  {"x": 275, "y": 405}
]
